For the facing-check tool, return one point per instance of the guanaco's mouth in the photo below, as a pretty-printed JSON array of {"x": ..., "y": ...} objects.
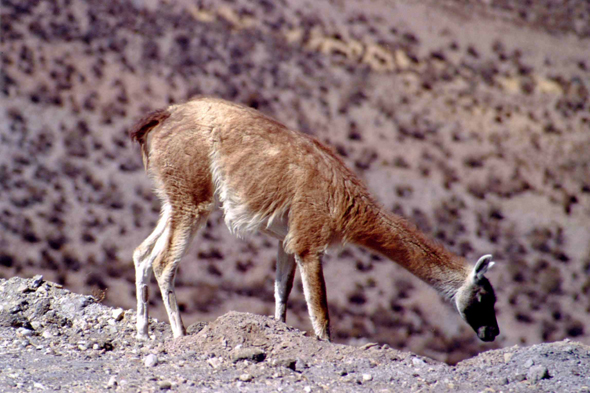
[{"x": 488, "y": 333}]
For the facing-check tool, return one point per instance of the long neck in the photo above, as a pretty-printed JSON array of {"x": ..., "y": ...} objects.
[{"x": 398, "y": 240}]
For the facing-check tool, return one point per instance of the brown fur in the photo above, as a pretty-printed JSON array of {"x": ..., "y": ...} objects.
[
  {"x": 275, "y": 180},
  {"x": 143, "y": 126}
]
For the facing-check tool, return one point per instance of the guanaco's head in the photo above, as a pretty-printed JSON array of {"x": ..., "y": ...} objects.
[{"x": 475, "y": 301}]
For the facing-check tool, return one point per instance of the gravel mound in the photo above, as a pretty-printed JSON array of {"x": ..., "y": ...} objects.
[{"x": 52, "y": 339}]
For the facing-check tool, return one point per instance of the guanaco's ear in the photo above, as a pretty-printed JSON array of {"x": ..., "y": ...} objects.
[{"x": 481, "y": 267}]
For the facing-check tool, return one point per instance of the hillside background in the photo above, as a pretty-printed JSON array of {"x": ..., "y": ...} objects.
[{"x": 471, "y": 118}]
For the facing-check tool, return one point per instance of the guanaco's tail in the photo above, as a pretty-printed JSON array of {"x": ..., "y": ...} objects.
[{"x": 139, "y": 132}]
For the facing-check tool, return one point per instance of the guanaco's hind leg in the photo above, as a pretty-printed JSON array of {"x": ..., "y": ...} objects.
[
  {"x": 161, "y": 252},
  {"x": 314, "y": 288},
  {"x": 180, "y": 231},
  {"x": 143, "y": 258},
  {"x": 283, "y": 282}
]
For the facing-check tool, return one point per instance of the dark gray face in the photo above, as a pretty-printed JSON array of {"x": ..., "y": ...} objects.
[{"x": 478, "y": 309}]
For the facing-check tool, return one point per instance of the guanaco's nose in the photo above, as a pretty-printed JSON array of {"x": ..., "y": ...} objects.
[{"x": 488, "y": 333}]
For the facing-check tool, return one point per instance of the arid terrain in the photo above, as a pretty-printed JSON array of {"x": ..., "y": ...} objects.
[
  {"x": 470, "y": 118},
  {"x": 55, "y": 340}
]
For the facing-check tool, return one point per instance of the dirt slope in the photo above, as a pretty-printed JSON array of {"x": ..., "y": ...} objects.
[{"x": 52, "y": 339}]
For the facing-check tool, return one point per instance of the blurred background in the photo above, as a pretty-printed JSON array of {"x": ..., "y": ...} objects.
[{"x": 470, "y": 118}]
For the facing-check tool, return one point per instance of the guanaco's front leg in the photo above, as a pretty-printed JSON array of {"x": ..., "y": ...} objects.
[
  {"x": 314, "y": 288},
  {"x": 283, "y": 282}
]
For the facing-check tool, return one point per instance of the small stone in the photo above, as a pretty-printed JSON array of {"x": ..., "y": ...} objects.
[
  {"x": 72, "y": 307},
  {"x": 529, "y": 363},
  {"x": 520, "y": 377},
  {"x": 536, "y": 373},
  {"x": 24, "y": 332},
  {"x": 307, "y": 389},
  {"x": 418, "y": 362},
  {"x": 35, "y": 325},
  {"x": 118, "y": 314},
  {"x": 255, "y": 354},
  {"x": 508, "y": 356},
  {"x": 368, "y": 346},
  {"x": 246, "y": 377},
  {"x": 164, "y": 385},
  {"x": 367, "y": 377},
  {"x": 150, "y": 360},
  {"x": 112, "y": 382},
  {"x": 215, "y": 362},
  {"x": 36, "y": 282},
  {"x": 195, "y": 328},
  {"x": 287, "y": 362},
  {"x": 300, "y": 365}
]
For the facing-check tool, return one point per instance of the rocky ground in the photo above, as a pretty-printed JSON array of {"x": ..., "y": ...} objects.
[
  {"x": 52, "y": 339},
  {"x": 471, "y": 118}
]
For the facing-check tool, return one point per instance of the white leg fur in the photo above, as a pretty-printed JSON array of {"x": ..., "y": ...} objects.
[
  {"x": 283, "y": 282},
  {"x": 143, "y": 257},
  {"x": 166, "y": 284},
  {"x": 315, "y": 295},
  {"x": 177, "y": 240}
]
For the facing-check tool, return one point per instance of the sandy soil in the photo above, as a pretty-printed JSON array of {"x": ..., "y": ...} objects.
[
  {"x": 55, "y": 340},
  {"x": 469, "y": 118}
]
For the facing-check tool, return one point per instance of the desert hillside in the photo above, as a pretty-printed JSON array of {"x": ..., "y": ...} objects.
[{"x": 470, "y": 118}]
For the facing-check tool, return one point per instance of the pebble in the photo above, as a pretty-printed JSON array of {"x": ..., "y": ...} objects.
[
  {"x": 150, "y": 360},
  {"x": 112, "y": 382},
  {"x": 36, "y": 282},
  {"x": 367, "y": 377},
  {"x": 215, "y": 362},
  {"x": 118, "y": 314},
  {"x": 529, "y": 363},
  {"x": 164, "y": 385},
  {"x": 287, "y": 362},
  {"x": 368, "y": 346},
  {"x": 535, "y": 374},
  {"x": 418, "y": 362},
  {"x": 520, "y": 377},
  {"x": 246, "y": 377},
  {"x": 254, "y": 354},
  {"x": 24, "y": 332},
  {"x": 300, "y": 365}
]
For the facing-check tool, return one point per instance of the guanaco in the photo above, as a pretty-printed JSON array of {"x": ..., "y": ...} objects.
[{"x": 286, "y": 184}]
